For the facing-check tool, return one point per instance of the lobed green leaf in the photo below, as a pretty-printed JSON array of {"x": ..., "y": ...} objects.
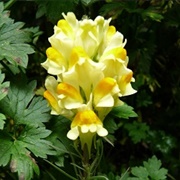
[
  {"x": 13, "y": 41},
  {"x": 5, "y": 148},
  {"x": 151, "y": 170},
  {"x": 123, "y": 111},
  {"x": 53, "y": 9},
  {"x": 33, "y": 139},
  {"x": 24, "y": 135},
  {"x": 137, "y": 131},
  {"x": 3, "y": 86},
  {"x": 154, "y": 169},
  {"x": 2, "y": 122},
  {"x": 22, "y": 106}
]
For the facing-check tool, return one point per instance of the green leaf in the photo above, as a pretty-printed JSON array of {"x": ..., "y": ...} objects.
[
  {"x": 22, "y": 106},
  {"x": 32, "y": 138},
  {"x": 54, "y": 9},
  {"x": 24, "y": 164},
  {"x": 123, "y": 111},
  {"x": 140, "y": 172},
  {"x": 110, "y": 124},
  {"x": 143, "y": 99},
  {"x": 137, "y": 131},
  {"x": 60, "y": 126},
  {"x": 3, "y": 86},
  {"x": 154, "y": 169},
  {"x": 5, "y": 147},
  {"x": 88, "y": 2},
  {"x": 160, "y": 141},
  {"x": 13, "y": 40},
  {"x": 20, "y": 158},
  {"x": 151, "y": 170},
  {"x": 112, "y": 7},
  {"x": 24, "y": 135},
  {"x": 150, "y": 12},
  {"x": 2, "y": 122},
  {"x": 18, "y": 150}
]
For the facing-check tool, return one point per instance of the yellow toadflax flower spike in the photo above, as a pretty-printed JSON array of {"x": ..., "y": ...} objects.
[{"x": 90, "y": 62}]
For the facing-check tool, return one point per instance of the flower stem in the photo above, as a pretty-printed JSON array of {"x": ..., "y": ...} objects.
[
  {"x": 85, "y": 163},
  {"x": 90, "y": 168},
  {"x": 60, "y": 170},
  {"x": 9, "y": 4}
]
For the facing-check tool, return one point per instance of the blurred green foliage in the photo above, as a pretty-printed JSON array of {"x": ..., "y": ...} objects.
[{"x": 152, "y": 30}]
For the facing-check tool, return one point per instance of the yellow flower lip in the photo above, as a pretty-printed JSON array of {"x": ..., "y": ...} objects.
[
  {"x": 111, "y": 31},
  {"x": 69, "y": 91},
  {"x": 86, "y": 122},
  {"x": 64, "y": 26},
  {"x": 127, "y": 78},
  {"x": 118, "y": 52},
  {"x": 105, "y": 86},
  {"x": 77, "y": 53},
  {"x": 54, "y": 55},
  {"x": 121, "y": 53},
  {"x": 85, "y": 125},
  {"x": 87, "y": 117},
  {"x": 52, "y": 101}
]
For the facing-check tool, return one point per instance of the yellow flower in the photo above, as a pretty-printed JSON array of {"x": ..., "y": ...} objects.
[
  {"x": 52, "y": 101},
  {"x": 55, "y": 63},
  {"x": 85, "y": 125},
  {"x": 77, "y": 55},
  {"x": 90, "y": 62},
  {"x": 86, "y": 34},
  {"x": 124, "y": 83},
  {"x": 52, "y": 96},
  {"x": 104, "y": 92},
  {"x": 84, "y": 75},
  {"x": 106, "y": 95},
  {"x": 69, "y": 96}
]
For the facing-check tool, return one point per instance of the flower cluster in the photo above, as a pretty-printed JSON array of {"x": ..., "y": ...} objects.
[{"x": 88, "y": 71}]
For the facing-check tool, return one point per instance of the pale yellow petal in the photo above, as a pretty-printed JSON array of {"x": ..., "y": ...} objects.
[
  {"x": 106, "y": 101},
  {"x": 84, "y": 128},
  {"x": 102, "y": 131},
  {"x": 73, "y": 133},
  {"x": 93, "y": 128}
]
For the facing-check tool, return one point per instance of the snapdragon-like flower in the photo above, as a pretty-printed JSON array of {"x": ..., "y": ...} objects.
[
  {"x": 85, "y": 124},
  {"x": 89, "y": 61}
]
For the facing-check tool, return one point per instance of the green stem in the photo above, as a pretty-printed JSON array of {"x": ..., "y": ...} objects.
[
  {"x": 86, "y": 165},
  {"x": 60, "y": 170},
  {"x": 9, "y": 4},
  {"x": 99, "y": 177},
  {"x": 90, "y": 168},
  {"x": 50, "y": 175},
  {"x": 98, "y": 158},
  {"x": 74, "y": 165},
  {"x": 122, "y": 177}
]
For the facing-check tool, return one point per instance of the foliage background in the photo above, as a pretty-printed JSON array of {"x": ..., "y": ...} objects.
[{"x": 152, "y": 30}]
